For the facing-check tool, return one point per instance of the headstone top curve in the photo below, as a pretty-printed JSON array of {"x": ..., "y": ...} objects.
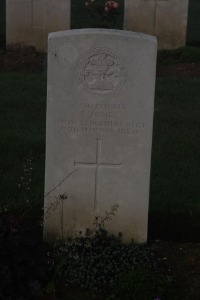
[{"x": 101, "y": 31}]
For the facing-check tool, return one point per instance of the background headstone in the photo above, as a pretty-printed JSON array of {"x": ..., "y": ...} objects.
[
  {"x": 99, "y": 131},
  {"x": 29, "y": 21},
  {"x": 166, "y": 19},
  {"x": 2, "y": 24}
]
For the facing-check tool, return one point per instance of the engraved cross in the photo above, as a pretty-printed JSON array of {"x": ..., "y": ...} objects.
[{"x": 97, "y": 165}]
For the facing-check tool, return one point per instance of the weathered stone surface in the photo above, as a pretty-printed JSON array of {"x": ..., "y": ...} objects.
[
  {"x": 166, "y": 19},
  {"x": 99, "y": 131},
  {"x": 29, "y": 21}
]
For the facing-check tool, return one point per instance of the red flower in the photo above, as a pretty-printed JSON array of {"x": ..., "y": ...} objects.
[{"x": 111, "y": 5}]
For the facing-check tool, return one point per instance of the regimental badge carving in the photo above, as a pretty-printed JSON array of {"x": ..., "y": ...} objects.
[{"x": 101, "y": 71}]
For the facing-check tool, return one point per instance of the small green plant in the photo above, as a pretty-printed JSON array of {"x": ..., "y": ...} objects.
[
  {"x": 100, "y": 222},
  {"x": 94, "y": 262},
  {"x": 25, "y": 181}
]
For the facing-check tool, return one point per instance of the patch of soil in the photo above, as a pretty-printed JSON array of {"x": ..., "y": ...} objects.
[
  {"x": 19, "y": 59},
  {"x": 183, "y": 69},
  {"x": 183, "y": 263},
  {"x": 27, "y": 59},
  {"x": 177, "y": 242},
  {"x": 180, "y": 229}
]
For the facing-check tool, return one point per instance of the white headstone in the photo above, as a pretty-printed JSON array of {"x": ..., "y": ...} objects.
[
  {"x": 166, "y": 19},
  {"x": 100, "y": 106},
  {"x": 28, "y": 22}
]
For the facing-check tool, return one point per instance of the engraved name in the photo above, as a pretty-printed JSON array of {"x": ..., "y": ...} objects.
[{"x": 98, "y": 114}]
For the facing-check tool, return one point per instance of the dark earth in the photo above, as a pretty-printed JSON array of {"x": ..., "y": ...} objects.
[
  {"x": 176, "y": 243},
  {"x": 28, "y": 59}
]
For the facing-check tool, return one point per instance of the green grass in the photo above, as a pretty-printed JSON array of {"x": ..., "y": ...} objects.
[
  {"x": 175, "y": 173},
  {"x": 143, "y": 284},
  {"x": 22, "y": 131},
  {"x": 175, "y": 159}
]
